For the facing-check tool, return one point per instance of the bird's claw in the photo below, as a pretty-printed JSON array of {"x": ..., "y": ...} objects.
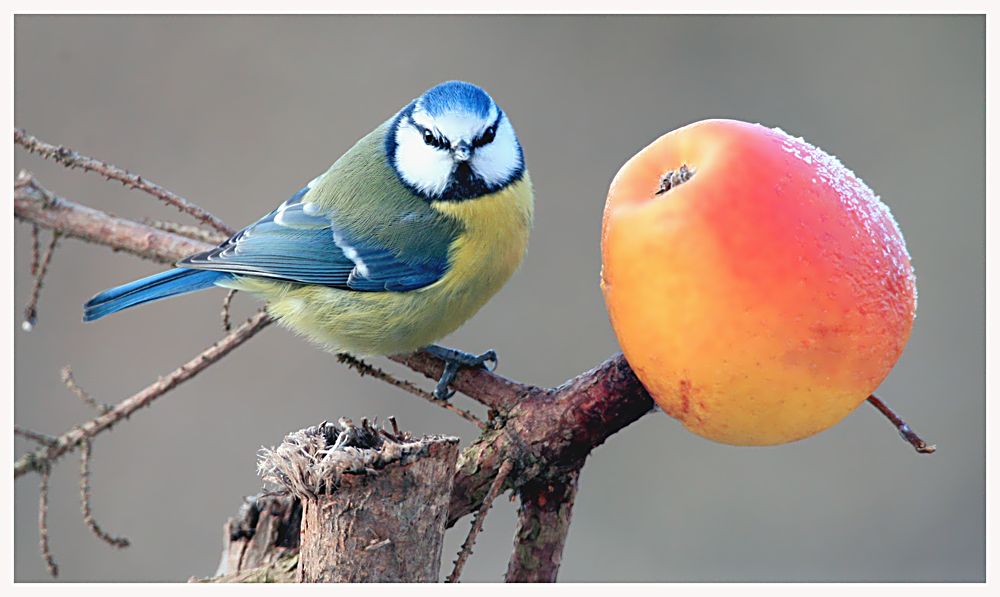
[
  {"x": 490, "y": 356},
  {"x": 442, "y": 391},
  {"x": 454, "y": 360}
]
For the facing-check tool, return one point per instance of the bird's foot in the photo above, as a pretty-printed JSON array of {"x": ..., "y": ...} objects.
[{"x": 455, "y": 359}]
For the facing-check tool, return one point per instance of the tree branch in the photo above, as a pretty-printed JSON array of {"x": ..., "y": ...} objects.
[
  {"x": 85, "y": 508},
  {"x": 43, "y": 458},
  {"x": 364, "y": 369},
  {"x": 542, "y": 525},
  {"x": 39, "y": 268},
  {"x": 480, "y": 518},
  {"x": 72, "y": 159},
  {"x": 33, "y": 203},
  {"x": 550, "y": 432},
  {"x": 495, "y": 391}
]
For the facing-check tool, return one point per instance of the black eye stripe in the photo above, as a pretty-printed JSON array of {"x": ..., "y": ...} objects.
[
  {"x": 441, "y": 142},
  {"x": 489, "y": 134},
  {"x": 429, "y": 137}
]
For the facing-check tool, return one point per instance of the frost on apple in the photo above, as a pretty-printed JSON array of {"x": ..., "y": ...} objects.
[{"x": 858, "y": 199}]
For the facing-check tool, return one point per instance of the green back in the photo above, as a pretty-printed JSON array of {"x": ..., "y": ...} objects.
[{"x": 367, "y": 200}]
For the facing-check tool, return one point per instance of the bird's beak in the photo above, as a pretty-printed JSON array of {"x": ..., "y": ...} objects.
[{"x": 462, "y": 152}]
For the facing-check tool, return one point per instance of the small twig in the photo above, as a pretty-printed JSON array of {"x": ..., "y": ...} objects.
[
  {"x": 43, "y": 525},
  {"x": 70, "y": 381},
  {"x": 39, "y": 270},
  {"x": 226, "y": 302},
  {"x": 43, "y": 458},
  {"x": 35, "y": 250},
  {"x": 364, "y": 369},
  {"x": 477, "y": 524},
  {"x": 72, "y": 159},
  {"x": 192, "y": 232},
  {"x": 904, "y": 430},
  {"x": 35, "y": 436},
  {"x": 88, "y": 516},
  {"x": 378, "y": 544}
]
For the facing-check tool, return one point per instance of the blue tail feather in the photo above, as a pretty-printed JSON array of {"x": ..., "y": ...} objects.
[{"x": 163, "y": 285}]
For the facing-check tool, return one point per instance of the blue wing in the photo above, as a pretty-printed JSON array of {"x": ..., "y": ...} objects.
[{"x": 298, "y": 243}]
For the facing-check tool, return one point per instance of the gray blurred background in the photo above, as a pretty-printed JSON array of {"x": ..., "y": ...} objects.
[{"x": 236, "y": 113}]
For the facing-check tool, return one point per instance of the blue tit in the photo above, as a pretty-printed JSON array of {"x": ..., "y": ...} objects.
[{"x": 396, "y": 245}]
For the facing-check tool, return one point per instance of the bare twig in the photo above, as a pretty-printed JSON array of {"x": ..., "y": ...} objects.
[
  {"x": 43, "y": 525},
  {"x": 43, "y": 458},
  {"x": 480, "y": 518},
  {"x": 35, "y": 204},
  {"x": 364, "y": 369},
  {"x": 195, "y": 232},
  {"x": 70, "y": 381},
  {"x": 395, "y": 428},
  {"x": 908, "y": 434},
  {"x": 35, "y": 250},
  {"x": 35, "y": 436},
  {"x": 226, "y": 302},
  {"x": 39, "y": 270},
  {"x": 543, "y": 520},
  {"x": 72, "y": 159},
  {"x": 88, "y": 516}
]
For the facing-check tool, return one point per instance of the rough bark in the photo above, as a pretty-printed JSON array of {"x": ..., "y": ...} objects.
[
  {"x": 542, "y": 525},
  {"x": 548, "y": 433},
  {"x": 265, "y": 530},
  {"x": 374, "y": 504}
]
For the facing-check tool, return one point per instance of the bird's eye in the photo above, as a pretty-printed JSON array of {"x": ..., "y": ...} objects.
[
  {"x": 429, "y": 138},
  {"x": 487, "y": 136}
]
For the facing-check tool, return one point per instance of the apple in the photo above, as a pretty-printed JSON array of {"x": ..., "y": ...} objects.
[{"x": 758, "y": 288}]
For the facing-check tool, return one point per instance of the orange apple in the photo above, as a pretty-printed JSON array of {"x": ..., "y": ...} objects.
[{"x": 758, "y": 288}]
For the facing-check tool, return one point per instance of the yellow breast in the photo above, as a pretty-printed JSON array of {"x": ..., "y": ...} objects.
[{"x": 495, "y": 237}]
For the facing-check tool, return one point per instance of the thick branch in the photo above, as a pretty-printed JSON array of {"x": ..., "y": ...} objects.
[
  {"x": 542, "y": 525},
  {"x": 550, "y": 432},
  {"x": 34, "y": 203},
  {"x": 43, "y": 458},
  {"x": 486, "y": 387}
]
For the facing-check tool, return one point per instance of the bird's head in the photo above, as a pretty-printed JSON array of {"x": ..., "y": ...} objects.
[{"x": 454, "y": 143}]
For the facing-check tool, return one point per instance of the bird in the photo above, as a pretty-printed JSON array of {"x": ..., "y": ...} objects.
[{"x": 403, "y": 239}]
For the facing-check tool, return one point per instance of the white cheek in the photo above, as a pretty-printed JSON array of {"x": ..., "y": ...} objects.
[
  {"x": 421, "y": 166},
  {"x": 497, "y": 161}
]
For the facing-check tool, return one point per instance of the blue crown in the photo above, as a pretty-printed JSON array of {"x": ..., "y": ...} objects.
[{"x": 456, "y": 95}]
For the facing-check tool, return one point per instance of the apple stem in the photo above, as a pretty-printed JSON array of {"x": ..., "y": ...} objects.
[{"x": 904, "y": 430}]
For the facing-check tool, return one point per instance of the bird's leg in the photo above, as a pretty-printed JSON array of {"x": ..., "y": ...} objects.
[{"x": 453, "y": 360}]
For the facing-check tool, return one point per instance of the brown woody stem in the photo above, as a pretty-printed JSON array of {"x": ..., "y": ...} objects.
[
  {"x": 542, "y": 525},
  {"x": 71, "y": 159},
  {"x": 43, "y": 458},
  {"x": 908, "y": 434}
]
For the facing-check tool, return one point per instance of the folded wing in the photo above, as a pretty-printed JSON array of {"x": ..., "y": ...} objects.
[{"x": 297, "y": 242}]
